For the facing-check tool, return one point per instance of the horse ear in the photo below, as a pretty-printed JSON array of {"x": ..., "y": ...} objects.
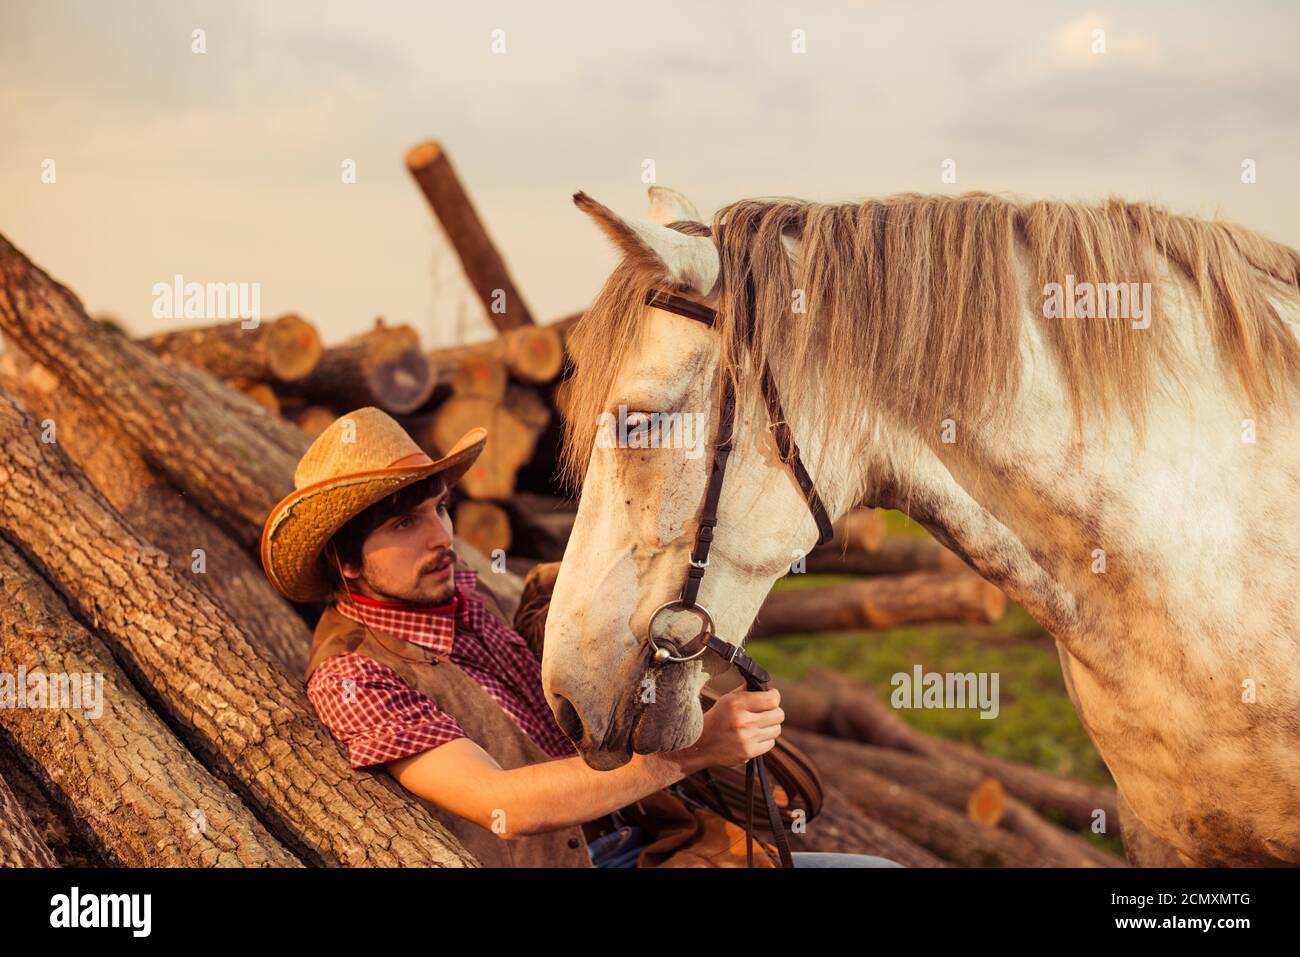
[
  {"x": 669, "y": 206},
  {"x": 688, "y": 263}
]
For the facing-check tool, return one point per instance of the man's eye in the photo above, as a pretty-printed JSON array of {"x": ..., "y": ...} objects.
[
  {"x": 442, "y": 506},
  {"x": 402, "y": 523}
]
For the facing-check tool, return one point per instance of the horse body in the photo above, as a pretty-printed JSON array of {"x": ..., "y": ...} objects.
[
  {"x": 1161, "y": 554},
  {"x": 1165, "y": 567}
]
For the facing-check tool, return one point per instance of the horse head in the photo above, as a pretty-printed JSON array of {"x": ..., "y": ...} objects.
[{"x": 641, "y": 426}]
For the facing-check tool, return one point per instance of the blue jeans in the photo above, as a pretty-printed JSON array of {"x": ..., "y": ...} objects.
[{"x": 621, "y": 848}]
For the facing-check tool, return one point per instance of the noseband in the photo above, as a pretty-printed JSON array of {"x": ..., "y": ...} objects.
[{"x": 756, "y": 677}]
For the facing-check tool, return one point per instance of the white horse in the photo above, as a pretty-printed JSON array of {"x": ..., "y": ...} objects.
[{"x": 1127, "y": 469}]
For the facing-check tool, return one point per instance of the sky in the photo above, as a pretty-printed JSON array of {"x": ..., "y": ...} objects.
[{"x": 225, "y": 166}]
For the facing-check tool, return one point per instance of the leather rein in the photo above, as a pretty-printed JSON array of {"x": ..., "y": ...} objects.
[{"x": 756, "y": 677}]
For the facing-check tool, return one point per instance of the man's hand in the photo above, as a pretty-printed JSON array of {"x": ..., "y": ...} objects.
[
  {"x": 463, "y": 778},
  {"x": 740, "y": 725}
]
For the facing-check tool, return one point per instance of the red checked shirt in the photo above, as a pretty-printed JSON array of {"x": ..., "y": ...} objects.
[{"x": 380, "y": 718}]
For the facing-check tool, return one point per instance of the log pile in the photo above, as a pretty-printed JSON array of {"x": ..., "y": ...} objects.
[
  {"x": 506, "y": 384},
  {"x": 135, "y": 477}
]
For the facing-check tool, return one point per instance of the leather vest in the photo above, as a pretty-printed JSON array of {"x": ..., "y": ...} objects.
[{"x": 484, "y": 721}]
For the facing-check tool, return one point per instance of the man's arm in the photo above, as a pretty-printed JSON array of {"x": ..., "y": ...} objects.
[{"x": 463, "y": 778}]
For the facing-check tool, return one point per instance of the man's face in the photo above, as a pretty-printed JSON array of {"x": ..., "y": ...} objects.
[{"x": 409, "y": 558}]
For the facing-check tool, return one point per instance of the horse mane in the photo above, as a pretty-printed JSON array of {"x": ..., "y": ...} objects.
[{"x": 912, "y": 305}]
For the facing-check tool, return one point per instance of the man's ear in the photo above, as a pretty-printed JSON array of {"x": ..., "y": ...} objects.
[
  {"x": 688, "y": 263},
  {"x": 332, "y": 556}
]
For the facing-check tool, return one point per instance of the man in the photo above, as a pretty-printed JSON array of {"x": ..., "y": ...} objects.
[{"x": 414, "y": 669}]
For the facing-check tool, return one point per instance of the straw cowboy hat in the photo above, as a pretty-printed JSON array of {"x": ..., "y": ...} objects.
[{"x": 360, "y": 459}]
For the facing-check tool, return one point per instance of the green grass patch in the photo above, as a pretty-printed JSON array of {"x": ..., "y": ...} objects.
[{"x": 1036, "y": 723}]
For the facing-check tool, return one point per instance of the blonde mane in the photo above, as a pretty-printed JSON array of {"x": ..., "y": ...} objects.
[{"x": 912, "y": 305}]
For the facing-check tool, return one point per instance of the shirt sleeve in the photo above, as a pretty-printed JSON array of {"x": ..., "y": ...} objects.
[{"x": 380, "y": 718}]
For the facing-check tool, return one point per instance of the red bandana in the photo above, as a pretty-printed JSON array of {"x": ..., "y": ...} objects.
[{"x": 429, "y": 626}]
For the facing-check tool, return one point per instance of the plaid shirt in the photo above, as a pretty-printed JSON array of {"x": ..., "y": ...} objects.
[{"x": 381, "y": 718}]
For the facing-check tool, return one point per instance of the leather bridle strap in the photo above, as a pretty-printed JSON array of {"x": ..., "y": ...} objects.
[
  {"x": 756, "y": 677},
  {"x": 784, "y": 438}
]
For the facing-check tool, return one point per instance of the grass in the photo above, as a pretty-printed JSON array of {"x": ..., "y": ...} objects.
[{"x": 1036, "y": 723}]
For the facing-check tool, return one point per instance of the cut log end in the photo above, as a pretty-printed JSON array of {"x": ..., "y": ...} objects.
[
  {"x": 403, "y": 383},
  {"x": 424, "y": 154},
  {"x": 293, "y": 348}
]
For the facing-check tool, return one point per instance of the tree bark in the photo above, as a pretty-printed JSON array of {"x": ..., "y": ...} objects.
[
  {"x": 273, "y": 428},
  {"x": 259, "y": 392},
  {"x": 234, "y": 472},
  {"x": 483, "y": 265},
  {"x": 20, "y": 842},
  {"x": 281, "y": 350},
  {"x": 881, "y": 603},
  {"x": 142, "y": 798},
  {"x": 245, "y": 719},
  {"x": 59, "y": 829},
  {"x": 198, "y": 549}
]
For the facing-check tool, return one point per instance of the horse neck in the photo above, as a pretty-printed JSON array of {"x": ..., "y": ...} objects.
[{"x": 1118, "y": 533}]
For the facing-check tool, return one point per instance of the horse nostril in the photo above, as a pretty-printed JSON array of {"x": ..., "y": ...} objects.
[{"x": 568, "y": 720}]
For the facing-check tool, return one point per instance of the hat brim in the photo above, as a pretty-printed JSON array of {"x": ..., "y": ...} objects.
[{"x": 300, "y": 526}]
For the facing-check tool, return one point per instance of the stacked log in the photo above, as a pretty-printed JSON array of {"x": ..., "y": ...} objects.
[
  {"x": 196, "y": 546},
  {"x": 59, "y": 831},
  {"x": 148, "y": 804},
  {"x": 382, "y": 367},
  {"x": 234, "y": 708},
  {"x": 505, "y": 384},
  {"x": 883, "y": 602},
  {"x": 282, "y": 350}
]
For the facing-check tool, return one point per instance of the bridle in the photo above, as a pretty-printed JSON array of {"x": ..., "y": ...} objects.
[{"x": 756, "y": 677}]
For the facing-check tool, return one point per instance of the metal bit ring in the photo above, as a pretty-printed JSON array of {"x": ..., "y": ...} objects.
[{"x": 662, "y": 655}]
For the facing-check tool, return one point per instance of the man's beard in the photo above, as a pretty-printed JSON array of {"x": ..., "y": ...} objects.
[{"x": 427, "y": 589}]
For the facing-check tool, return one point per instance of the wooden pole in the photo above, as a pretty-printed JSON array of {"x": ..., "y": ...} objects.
[{"x": 483, "y": 265}]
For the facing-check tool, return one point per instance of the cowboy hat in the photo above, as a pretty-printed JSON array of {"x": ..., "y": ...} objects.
[{"x": 361, "y": 458}]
